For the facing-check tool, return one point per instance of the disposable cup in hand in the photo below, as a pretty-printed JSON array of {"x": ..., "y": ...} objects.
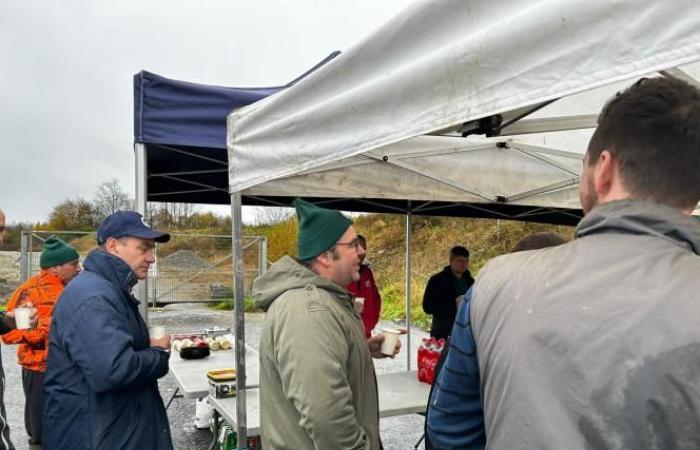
[
  {"x": 391, "y": 338},
  {"x": 156, "y": 332},
  {"x": 22, "y": 318}
]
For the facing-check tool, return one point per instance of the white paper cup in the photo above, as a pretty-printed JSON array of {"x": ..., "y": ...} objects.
[
  {"x": 22, "y": 318},
  {"x": 360, "y": 303},
  {"x": 156, "y": 332},
  {"x": 391, "y": 338}
]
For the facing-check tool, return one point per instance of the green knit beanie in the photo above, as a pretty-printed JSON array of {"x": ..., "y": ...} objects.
[
  {"x": 319, "y": 229},
  {"x": 56, "y": 252}
]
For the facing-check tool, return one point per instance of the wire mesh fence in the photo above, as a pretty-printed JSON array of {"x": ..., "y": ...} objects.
[{"x": 188, "y": 268}]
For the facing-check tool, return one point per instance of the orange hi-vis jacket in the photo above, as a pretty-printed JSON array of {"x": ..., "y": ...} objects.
[{"x": 43, "y": 291}]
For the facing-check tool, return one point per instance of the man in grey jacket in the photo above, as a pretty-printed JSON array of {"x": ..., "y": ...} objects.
[
  {"x": 317, "y": 384},
  {"x": 594, "y": 343}
]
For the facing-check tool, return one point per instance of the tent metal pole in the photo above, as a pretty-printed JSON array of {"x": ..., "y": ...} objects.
[
  {"x": 409, "y": 235},
  {"x": 239, "y": 320},
  {"x": 141, "y": 200}
]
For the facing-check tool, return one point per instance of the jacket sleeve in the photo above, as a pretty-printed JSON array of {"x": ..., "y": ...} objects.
[
  {"x": 429, "y": 300},
  {"x": 437, "y": 300},
  {"x": 4, "y": 327},
  {"x": 11, "y": 335},
  {"x": 32, "y": 336},
  {"x": 311, "y": 355},
  {"x": 455, "y": 417},
  {"x": 377, "y": 299},
  {"x": 100, "y": 342}
]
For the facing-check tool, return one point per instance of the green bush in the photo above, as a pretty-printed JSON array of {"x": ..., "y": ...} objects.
[
  {"x": 394, "y": 305},
  {"x": 226, "y": 304}
]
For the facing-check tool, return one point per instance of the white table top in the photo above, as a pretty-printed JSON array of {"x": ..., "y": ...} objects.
[
  {"x": 190, "y": 375},
  {"x": 227, "y": 408},
  {"x": 399, "y": 393}
]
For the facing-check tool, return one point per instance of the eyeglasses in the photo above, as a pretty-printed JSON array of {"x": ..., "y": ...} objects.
[{"x": 354, "y": 243}]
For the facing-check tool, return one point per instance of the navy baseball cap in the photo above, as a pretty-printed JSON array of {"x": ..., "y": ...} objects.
[{"x": 128, "y": 223}]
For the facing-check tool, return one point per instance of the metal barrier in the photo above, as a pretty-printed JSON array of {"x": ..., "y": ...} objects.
[{"x": 188, "y": 268}]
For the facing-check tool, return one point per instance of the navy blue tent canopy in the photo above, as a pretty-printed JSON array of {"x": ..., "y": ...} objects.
[
  {"x": 183, "y": 127},
  {"x": 173, "y": 112}
]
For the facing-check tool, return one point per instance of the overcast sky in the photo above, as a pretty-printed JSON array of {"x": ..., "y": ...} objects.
[{"x": 66, "y": 103}]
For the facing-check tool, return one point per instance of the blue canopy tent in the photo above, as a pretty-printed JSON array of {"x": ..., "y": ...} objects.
[{"x": 181, "y": 129}]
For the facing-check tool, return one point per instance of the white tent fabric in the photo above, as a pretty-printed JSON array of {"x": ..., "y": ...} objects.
[
  {"x": 448, "y": 169},
  {"x": 436, "y": 66}
]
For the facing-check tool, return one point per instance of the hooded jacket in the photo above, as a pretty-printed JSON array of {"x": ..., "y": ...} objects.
[
  {"x": 42, "y": 290},
  {"x": 317, "y": 384},
  {"x": 595, "y": 343},
  {"x": 101, "y": 388}
]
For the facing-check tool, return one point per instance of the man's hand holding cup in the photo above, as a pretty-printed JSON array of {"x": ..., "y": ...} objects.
[
  {"x": 386, "y": 344},
  {"x": 158, "y": 337},
  {"x": 22, "y": 318}
]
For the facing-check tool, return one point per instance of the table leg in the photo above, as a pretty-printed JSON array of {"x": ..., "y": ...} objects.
[
  {"x": 215, "y": 431},
  {"x": 172, "y": 397}
]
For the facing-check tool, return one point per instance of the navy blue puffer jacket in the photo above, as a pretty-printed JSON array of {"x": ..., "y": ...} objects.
[{"x": 101, "y": 388}]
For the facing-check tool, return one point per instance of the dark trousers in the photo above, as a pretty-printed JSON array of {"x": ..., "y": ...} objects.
[
  {"x": 33, "y": 383},
  {"x": 5, "y": 442}
]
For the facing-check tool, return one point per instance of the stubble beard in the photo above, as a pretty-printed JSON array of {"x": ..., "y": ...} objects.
[{"x": 587, "y": 196}]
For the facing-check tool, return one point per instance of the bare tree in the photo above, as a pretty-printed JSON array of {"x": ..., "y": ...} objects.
[
  {"x": 109, "y": 198},
  {"x": 172, "y": 215},
  {"x": 271, "y": 216}
]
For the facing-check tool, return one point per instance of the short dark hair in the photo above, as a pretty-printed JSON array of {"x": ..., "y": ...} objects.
[
  {"x": 653, "y": 129},
  {"x": 309, "y": 263},
  {"x": 458, "y": 250},
  {"x": 536, "y": 241}
]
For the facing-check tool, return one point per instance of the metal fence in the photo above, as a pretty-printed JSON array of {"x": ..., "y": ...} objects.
[{"x": 188, "y": 268}]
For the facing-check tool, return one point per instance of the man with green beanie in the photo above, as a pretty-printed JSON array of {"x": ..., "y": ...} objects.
[
  {"x": 59, "y": 264},
  {"x": 317, "y": 384}
]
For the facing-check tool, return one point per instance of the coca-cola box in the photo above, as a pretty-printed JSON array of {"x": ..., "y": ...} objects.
[{"x": 428, "y": 355}]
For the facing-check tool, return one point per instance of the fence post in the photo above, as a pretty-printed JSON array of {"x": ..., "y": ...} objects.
[
  {"x": 153, "y": 282},
  {"x": 262, "y": 265},
  {"x": 24, "y": 256}
]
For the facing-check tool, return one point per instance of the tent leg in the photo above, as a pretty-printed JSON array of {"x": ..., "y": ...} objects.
[
  {"x": 409, "y": 236},
  {"x": 239, "y": 320},
  {"x": 141, "y": 201}
]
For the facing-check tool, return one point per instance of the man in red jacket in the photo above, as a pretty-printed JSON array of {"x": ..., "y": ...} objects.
[{"x": 366, "y": 288}]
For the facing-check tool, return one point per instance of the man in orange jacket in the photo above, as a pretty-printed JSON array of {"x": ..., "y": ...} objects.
[{"x": 59, "y": 264}]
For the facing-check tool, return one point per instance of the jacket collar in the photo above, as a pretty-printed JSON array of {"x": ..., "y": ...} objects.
[
  {"x": 113, "y": 269},
  {"x": 288, "y": 273},
  {"x": 645, "y": 218},
  {"x": 447, "y": 270},
  {"x": 47, "y": 277}
]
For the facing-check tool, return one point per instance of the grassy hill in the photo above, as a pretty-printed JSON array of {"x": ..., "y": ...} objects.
[
  {"x": 432, "y": 239},
  {"x": 385, "y": 233}
]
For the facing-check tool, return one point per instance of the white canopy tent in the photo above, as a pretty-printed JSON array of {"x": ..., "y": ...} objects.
[
  {"x": 382, "y": 124},
  {"x": 439, "y": 66}
]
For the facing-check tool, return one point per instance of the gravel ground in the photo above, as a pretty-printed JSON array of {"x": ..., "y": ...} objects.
[{"x": 398, "y": 433}]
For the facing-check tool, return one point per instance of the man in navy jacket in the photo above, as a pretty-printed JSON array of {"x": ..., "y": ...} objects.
[{"x": 101, "y": 388}]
